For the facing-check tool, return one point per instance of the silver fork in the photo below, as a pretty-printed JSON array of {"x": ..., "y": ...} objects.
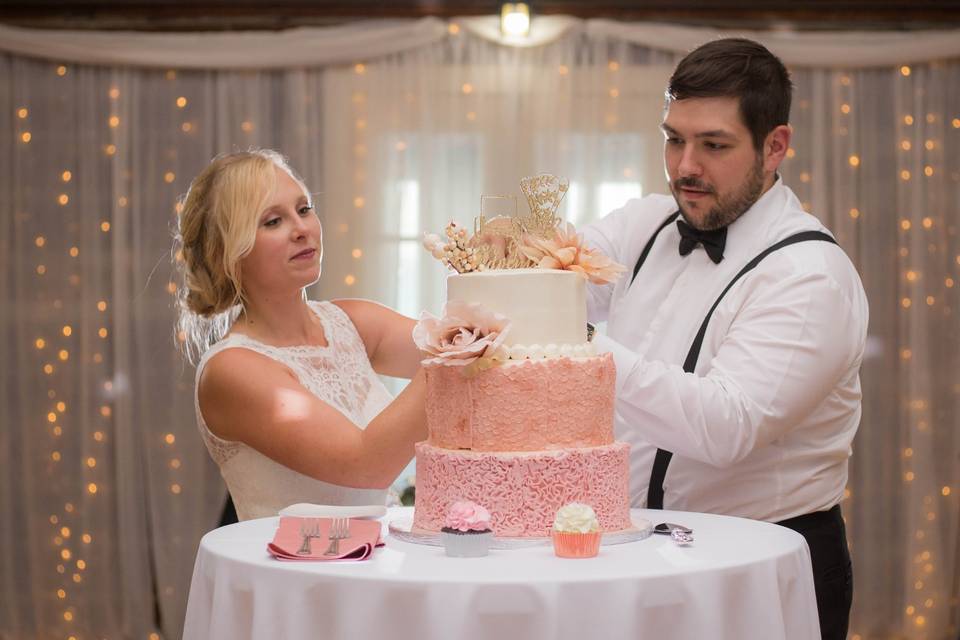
[
  {"x": 339, "y": 530},
  {"x": 308, "y": 529}
]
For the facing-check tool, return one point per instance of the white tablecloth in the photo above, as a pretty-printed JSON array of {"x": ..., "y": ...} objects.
[{"x": 741, "y": 579}]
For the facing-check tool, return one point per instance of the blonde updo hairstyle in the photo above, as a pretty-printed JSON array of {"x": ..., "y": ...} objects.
[{"x": 217, "y": 226}]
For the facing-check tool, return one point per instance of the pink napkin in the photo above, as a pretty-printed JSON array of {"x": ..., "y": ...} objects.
[{"x": 364, "y": 536}]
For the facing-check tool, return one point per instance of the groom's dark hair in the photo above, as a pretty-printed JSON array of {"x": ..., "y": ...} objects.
[{"x": 737, "y": 68}]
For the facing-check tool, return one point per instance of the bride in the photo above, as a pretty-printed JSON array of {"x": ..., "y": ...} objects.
[{"x": 287, "y": 395}]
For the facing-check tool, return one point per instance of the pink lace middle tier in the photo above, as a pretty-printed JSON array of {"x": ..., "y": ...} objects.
[
  {"x": 526, "y": 405},
  {"x": 523, "y": 490}
]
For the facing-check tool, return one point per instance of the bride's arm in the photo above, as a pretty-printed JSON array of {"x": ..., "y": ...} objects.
[
  {"x": 247, "y": 397},
  {"x": 387, "y": 335}
]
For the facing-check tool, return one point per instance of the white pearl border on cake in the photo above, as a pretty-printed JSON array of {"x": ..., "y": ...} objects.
[
  {"x": 402, "y": 529},
  {"x": 539, "y": 352}
]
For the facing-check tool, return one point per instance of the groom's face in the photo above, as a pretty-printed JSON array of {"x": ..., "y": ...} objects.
[{"x": 714, "y": 171}]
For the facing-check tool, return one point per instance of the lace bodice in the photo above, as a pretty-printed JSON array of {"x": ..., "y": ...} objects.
[{"x": 340, "y": 374}]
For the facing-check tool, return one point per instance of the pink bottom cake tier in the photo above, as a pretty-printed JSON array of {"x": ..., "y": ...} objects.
[{"x": 523, "y": 490}]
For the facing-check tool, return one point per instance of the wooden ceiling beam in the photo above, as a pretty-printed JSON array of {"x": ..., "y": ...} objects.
[{"x": 187, "y": 15}]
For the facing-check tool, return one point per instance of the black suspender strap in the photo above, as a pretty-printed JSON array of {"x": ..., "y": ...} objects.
[
  {"x": 662, "y": 460},
  {"x": 653, "y": 238}
]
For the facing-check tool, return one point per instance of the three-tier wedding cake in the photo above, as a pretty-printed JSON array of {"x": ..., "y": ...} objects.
[{"x": 519, "y": 406}]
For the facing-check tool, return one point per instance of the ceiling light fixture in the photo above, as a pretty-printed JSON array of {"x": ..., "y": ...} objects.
[{"x": 515, "y": 19}]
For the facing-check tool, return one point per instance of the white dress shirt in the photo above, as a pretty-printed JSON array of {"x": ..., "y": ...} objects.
[{"x": 763, "y": 428}]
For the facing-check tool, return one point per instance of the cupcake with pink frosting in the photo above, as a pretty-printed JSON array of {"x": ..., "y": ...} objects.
[
  {"x": 576, "y": 532},
  {"x": 466, "y": 532}
]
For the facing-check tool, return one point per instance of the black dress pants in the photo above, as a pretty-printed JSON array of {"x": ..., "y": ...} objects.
[{"x": 832, "y": 572}]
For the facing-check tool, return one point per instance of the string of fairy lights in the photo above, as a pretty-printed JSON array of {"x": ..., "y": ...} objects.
[
  {"x": 920, "y": 158},
  {"x": 920, "y": 145}
]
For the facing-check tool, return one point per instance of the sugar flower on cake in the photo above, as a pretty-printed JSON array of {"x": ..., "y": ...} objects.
[
  {"x": 466, "y": 332},
  {"x": 566, "y": 251}
]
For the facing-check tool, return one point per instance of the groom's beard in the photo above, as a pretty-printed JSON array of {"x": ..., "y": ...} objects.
[{"x": 727, "y": 208}]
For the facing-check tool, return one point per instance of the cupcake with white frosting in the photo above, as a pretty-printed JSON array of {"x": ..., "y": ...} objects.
[{"x": 576, "y": 531}]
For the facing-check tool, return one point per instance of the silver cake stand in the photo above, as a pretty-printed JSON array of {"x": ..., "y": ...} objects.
[{"x": 402, "y": 529}]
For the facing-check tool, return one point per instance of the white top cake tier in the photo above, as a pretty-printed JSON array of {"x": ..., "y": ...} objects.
[{"x": 545, "y": 306}]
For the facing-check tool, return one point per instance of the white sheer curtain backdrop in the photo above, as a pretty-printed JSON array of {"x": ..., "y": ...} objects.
[{"x": 107, "y": 486}]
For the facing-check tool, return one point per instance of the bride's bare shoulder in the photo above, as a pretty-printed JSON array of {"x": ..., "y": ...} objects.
[{"x": 237, "y": 377}]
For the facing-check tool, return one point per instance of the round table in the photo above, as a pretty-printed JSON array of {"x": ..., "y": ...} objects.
[{"x": 740, "y": 579}]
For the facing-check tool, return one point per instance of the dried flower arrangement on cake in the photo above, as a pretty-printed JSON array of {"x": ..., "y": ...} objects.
[{"x": 536, "y": 240}]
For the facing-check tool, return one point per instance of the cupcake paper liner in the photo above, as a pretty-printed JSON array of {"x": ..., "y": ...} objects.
[
  {"x": 466, "y": 545},
  {"x": 576, "y": 545}
]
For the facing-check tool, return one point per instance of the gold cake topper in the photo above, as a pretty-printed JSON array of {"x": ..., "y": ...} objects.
[
  {"x": 544, "y": 194},
  {"x": 498, "y": 239}
]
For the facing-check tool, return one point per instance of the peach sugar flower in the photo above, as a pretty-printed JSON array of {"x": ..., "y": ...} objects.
[
  {"x": 566, "y": 251},
  {"x": 466, "y": 332}
]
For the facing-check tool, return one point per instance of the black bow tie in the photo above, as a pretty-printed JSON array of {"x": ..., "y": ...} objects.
[{"x": 713, "y": 241}]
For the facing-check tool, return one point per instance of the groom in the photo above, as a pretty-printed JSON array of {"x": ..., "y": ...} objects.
[{"x": 739, "y": 328}]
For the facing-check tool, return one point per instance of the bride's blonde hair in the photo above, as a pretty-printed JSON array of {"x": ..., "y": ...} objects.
[{"x": 216, "y": 228}]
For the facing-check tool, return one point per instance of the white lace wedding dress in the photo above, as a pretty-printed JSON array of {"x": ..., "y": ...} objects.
[{"x": 339, "y": 374}]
